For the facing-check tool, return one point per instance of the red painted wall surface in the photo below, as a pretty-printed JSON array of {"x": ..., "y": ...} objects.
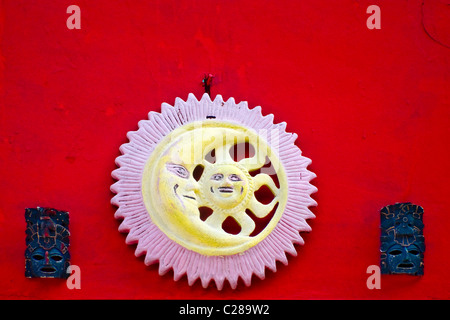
[{"x": 371, "y": 108}]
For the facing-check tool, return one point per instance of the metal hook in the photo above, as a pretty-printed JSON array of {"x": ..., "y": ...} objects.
[{"x": 207, "y": 82}]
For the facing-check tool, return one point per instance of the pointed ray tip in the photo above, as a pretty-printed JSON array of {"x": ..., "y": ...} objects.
[
  {"x": 115, "y": 186},
  {"x": 218, "y": 99},
  {"x": 258, "y": 110},
  {"x": 165, "y": 106},
  {"x": 123, "y": 227},
  {"x": 131, "y": 239},
  {"x": 115, "y": 175},
  {"x": 151, "y": 115},
  {"x": 180, "y": 102},
  {"x": 231, "y": 101},
  {"x": 206, "y": 97},
  {"x": 205, "y": 282},
  {"x": 242, "y": 104},
  {"x": 192, "y": 96},
  {"x": 219, "y": 285},
  {"x": 191, "y": 279}
]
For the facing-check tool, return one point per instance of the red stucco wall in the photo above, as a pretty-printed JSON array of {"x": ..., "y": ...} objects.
[{"x": 371, "y": 108}]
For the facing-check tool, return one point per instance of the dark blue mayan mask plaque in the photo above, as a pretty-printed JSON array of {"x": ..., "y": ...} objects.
[
  {"x": 47, "y": 239},
  {"x": 402, "y": 241}
]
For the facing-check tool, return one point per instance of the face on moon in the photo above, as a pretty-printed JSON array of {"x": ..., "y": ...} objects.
[{"x": 183, "y": 185}]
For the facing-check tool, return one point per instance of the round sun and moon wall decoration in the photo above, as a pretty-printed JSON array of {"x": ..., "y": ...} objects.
[{"x": 213, "y": 190}]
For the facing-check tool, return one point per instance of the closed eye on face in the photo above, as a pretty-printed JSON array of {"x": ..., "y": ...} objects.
[
  {"x": 235, "y": 177},
  {"x": 178, "y": 170},
  {"x": 217, "y": 177}
]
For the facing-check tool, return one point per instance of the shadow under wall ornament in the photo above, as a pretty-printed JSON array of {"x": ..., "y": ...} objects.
[
  {"x": 213, "y": 190},
  {"x": 402, "y": 240},
  {"x": 47, "y": 239}
]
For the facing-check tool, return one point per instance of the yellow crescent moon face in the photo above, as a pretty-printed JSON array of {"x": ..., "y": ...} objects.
[{"x": 192, "y": 168}]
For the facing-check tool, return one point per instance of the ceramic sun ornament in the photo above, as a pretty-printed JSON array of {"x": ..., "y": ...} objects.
[{"x": 213, "y": 190}]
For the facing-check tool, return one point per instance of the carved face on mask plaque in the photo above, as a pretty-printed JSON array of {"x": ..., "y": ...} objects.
[
  {"x": 402, "y": 241},
  {"x": 47, "y": 239}
]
